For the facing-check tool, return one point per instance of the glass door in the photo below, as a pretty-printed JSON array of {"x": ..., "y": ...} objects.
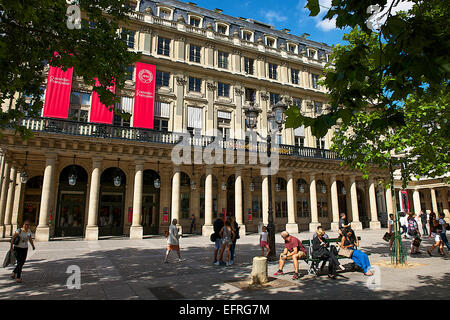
[
  {"x": 110, "y": 219},
  {"x": 150, "y": 214},
  {"x": 70, "y": 219}
]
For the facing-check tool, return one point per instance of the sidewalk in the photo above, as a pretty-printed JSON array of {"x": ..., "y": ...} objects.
[{"x": 133, "y": 269}]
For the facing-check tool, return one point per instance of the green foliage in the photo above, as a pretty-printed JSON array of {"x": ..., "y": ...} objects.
[
  {"x": 388, "y": 90},
  {"x": 31, "y": 31}
]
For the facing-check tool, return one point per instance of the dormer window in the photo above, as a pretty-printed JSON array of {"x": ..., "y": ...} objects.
[
  {"x": 312, "y": 54},
  {"x": 270, "y": 42},
  {"x": 247, "y": 35},
  {"x": 165, "y": 13},
  {"x": 195, "y": 21},
  {"x": 222, "y": 28},
  {"x": 292, "y": 48}
]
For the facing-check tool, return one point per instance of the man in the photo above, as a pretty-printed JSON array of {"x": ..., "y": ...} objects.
[
  {"x": 293, "y": 249},
  {"x": 343, "y": 223},
  {"x": 443, "y": 233},
  {"x": 424, "y": 218},
  {"x": 218, "y": 225},
  {"x": 192, "y": 224}
]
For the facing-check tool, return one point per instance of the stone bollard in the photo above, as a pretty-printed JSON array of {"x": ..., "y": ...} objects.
[{"x": 259, "y": 271}]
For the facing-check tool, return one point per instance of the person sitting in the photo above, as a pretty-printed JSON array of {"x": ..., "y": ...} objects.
[
  {"x": 321, "y": 251},
  {"x": 350, "y": 241},
  {"x": 293, "y": 249}
]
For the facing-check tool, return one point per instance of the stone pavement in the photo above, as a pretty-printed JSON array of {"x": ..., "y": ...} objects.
[{"x": 120, "y": 268}]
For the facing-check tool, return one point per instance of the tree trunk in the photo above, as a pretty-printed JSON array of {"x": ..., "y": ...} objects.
[{"x": 259, "y": 270}]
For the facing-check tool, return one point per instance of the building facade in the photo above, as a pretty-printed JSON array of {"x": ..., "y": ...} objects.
[{"x": 91, "y": 180}]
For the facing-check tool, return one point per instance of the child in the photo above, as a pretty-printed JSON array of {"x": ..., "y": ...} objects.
[{"x": 264, "y": 241}]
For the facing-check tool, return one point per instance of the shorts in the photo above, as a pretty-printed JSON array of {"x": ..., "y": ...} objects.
[
  {"x": 437, "y": 237},
  {"x": 218, "y": 244},
  {"x": 227, "y": 242},
  {"x": 173, "y": 247},
  {"x": 264, "y": 244},
  {"x": 300, "y": 255}
]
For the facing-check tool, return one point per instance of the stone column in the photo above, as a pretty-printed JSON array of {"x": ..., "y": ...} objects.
[
  {"x": 94, "y": 199},
  {"x": 416, "y": 201},
  {"x": 313, "y": 200},
  {"x": 136, "y": 230},
  {"x": 291, "y": 226},
  {"x": 2, "y": 166},
  {"x": 444, "y": 198},
  {"x": 17, "y": 202},
  {"x": 388, "y": 197},
  {"x": 334, "y": 203},
  {"x": 43, "y": 229},
  {"x": 10, "y": 202},
  {"x": 207, "y": 228},
  {"x": 176, "y": 197},
  {"x": 356, "y": 224},
  {"x": 265, "y": 200},
  {"x": 434, "y": 201},
  {"x": 374, "y": 223},
  {"x": 4, "y": 196},
  {"x": 238, "y": 202}
]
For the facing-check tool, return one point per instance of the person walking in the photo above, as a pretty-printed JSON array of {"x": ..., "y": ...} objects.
[
  {"x": 444, "y": 226},
  {"x": 217, "y": 226},
  {"x": 423, "y": 218},
  {"x": 235, "y": 227},
  {"x": 20, "y": 249},
  {"x": 227, "y": 234},
  {"x": 173, "y": 242},
  {"x": 391, "y": 230},
  {"x": 413, "y": 232},
  {"x": 193, "y": 226},
  {"x": 435, "y": 232}
]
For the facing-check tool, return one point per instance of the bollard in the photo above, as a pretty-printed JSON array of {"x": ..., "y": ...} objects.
[{"x": 259, "y": 271}]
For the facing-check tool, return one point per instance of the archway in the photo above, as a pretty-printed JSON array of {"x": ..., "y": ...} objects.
[
  {"x": 231, "y": 210},
  {"x": 32, "y": 201},
  {"x": 69, "y": 220},
  {"x": 280, "y": 198},
  {"x": 150, "y": 203},
  {"x": 342, "y": 198},
  {"x": 112, "y": 202},
  {"x": 302, "y": 199},
  {"x": 363, "y": 214}
]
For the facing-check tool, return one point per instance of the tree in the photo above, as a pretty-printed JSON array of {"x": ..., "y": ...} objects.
[
  {"x": 388, "y": 89},
  {"x": 32, "y": 31}
]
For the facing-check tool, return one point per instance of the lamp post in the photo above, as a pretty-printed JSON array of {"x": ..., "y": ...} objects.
[{"x": 277, "y": 117}]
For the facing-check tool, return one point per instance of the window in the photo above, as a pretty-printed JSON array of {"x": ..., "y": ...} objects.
[
  {"x": 128, "y": 37},
  {"x": 302, "y": 208},
  {"x": 299, "y": 141},
  {"x": 317, "y": 107},
  {"x": 130, "y": 71},
  {"x": 312, "y": 54},
  {"x": 322, "y": 207},
  {"x": 273, "y": 71},
  {"x": 223, "y": 60},
  {"x": 126, "y": 106},
  {"x": 225, "y": 132},
  {"x": 250, "y": 94},
  {"x": 292, "y": 48},
  {"x": 162, "y": 78},
  {"x": 185, "y": 205},
  {"x": 223, "y": 89},
  {"x": 297, "y": 102},
  {"x": 195, "y": 84},
  {"x": 270, "y": 42},
  {"x": 164, "y": 46},
  {"x": 165, "y": 13},
  {"x": 320, "y": 143},
  {"x": 247, "y": 36},
  {"x": 194, "y": 53},
  {"x": 194, "y": 21},
  {"x": 315, "y": 80},
  {"x": 160, "y": 124},
  {"x": 274, "y": 98},
  {"x": 79, "y": 106},
  {"x": 249, "y": 66},
  {"x": 222, "y": 29},
  {"x": 195, "y": 118},
  {"x": 294, "y": 76}
]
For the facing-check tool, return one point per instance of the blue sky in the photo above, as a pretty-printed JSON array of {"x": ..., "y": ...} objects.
[{"x": 289, "y": 14}]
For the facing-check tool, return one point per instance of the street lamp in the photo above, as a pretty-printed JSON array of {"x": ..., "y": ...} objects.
[
  {"x": 157, "y": 182},
  {"x": 277, "y": 117},
  {"x": 118, "y": 178},
  {"x": 24, "y": 174},
  {"x": 73, "y": 175}
]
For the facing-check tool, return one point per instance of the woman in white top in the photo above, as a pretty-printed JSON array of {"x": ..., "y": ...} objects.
[
  {"x": 173, "y": 242},
  {"x": 20, "y": 250}
]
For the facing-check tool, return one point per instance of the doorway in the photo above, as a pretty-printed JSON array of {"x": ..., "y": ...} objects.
[
  {"x": 70, "y": 220},
  {"x": 111, "y": 214},
  {"x": 150, "y": 213}
]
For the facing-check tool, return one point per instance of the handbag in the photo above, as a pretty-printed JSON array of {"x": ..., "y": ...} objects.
[
  {"x": 416, "y": 242},
  {"x": 213, "y": 237},
  {"x": 345, "y": 252},
  {"x": 17, "y": 239},
  {"x": 387, "y": 237}
]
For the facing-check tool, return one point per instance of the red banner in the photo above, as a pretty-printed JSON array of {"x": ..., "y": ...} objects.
[
  {"x": 57, "y": 95},
  {"x": 144, "y": 95},
  {"x": 99, "y": 112}
]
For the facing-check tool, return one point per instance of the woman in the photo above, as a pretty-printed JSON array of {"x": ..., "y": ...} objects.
[
  {"x": 235, "y": 227},
  {"x": 435, "y": 230},
  {"x": 320, "y": 251},
  {"x": 227, "y": 234},
  {"x": 20, "y": 250},
  {"x": 173, "y": 241},
  {"x": 391, "y": 230},
  {"x": 350, "y": 241},
  {"x": 413, "y": 232}
]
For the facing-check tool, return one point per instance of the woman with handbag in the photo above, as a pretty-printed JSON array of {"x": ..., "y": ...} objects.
[
  {"x": 173, "y": 242},
  {"x": 321, "y": 251},
  {"x": 19, "y": 247},
  {"x": 413, "y": 233},
  {"x": 350, "y": 242}
]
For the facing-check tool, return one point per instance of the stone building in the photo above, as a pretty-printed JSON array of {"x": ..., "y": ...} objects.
[{"x": 91, "y": 180}]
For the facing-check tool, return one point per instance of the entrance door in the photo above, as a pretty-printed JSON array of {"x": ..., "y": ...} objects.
[
  {"x": 150, "y": 214},
  {"x": 110, "y": 219},
  {"x": 70, "y": 218}
]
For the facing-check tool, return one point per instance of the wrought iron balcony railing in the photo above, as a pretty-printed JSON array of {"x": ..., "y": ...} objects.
[{"x": 105, "y": 131}]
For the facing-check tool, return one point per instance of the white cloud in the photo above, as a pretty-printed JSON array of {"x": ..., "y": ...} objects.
[{"x": 272, "y": 16}]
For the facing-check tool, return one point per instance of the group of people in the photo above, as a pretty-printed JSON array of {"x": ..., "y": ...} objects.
[{"x": 410, "y": 230}]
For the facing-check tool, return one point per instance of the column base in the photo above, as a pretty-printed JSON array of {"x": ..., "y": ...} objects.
[
  {"x": 356, "y": 225},
  {"x": 313, "y": 226},
  {"x": 207, "y": 230},
  {"x": 334, "y": 226},
  {"x": 91, "y": 233},
  {"x": 242, "y": 231},
  {"x": 375, "y": 225},
  {"x": 2, "y": 231},
  {"x": 42, "y": 234},
  {"x": 8, "y": 230},
  {"x": 292, "y": 228},
  {"x": 136, "y": 232}
]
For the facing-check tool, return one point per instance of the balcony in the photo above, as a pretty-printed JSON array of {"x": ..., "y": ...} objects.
[{"x": 104, "y": 131}]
